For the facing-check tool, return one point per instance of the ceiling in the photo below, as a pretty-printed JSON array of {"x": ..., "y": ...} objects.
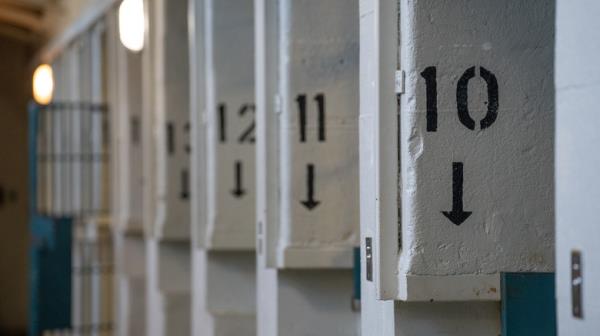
[{"x": 26, "y": 20}]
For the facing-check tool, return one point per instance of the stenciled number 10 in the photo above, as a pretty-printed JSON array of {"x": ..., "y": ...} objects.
[{"x": 462, "y": 98}]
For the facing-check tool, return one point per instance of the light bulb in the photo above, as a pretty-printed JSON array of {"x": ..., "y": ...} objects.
[
  {"x": 43, "y": 84},
  {"x": 132, "y": 24}
]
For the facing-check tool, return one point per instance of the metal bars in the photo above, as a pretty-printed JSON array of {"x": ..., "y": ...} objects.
[{"x": 64, "y": 157}]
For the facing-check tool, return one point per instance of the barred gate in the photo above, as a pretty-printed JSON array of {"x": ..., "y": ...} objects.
[{"x": 72, "y": 165}]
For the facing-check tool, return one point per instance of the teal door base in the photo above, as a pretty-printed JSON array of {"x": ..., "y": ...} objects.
[
  {"x": 50, "y": 275},
  {"x": 50, "y": 264},
  {"x": 528, "y": 304}
]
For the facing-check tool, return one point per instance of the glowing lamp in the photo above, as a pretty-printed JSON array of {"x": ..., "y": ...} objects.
[
  {"x": 132, "y": 24},
  {"x": 43, "y": 84}
]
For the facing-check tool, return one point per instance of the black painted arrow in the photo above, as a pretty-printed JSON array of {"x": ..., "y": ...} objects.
[
  {"x": 239, "y": 191},
  {"x": 457, "y": 215},
  {"x": 310, "y": 203},
  {"x": 185, "y": 184}
]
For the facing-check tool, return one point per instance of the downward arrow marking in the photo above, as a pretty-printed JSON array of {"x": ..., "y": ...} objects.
[
  {"x": 239, "y": 191},
  {"x": 310, "y": 203},
  {"x": 457, "y": 215}
]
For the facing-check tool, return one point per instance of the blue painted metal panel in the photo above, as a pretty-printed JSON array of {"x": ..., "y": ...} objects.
[
  {"x": 356, "y": 272},
  {"x": 356, "y": 275},
  {"x": 528, "y": 304},
  {"x": 51, "y": 275},
  {"x": 50, "y": 255}
]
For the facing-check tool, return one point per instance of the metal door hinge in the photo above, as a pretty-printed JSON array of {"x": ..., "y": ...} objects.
[
  {"x": 277, "y": 104},
  {"x": 576, "y": 284},
  {"x": 399, "y": 81},
  {"x": 369, "y": 258}
]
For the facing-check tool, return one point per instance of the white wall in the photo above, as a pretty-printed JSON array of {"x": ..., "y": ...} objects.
[{"x": 577, "y": 161}]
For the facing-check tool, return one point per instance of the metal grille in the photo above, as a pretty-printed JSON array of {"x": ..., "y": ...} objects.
[
  {"x": 73, "y": 159},
  {"x": 73, "y": 164},
  {"x": 92, "y": 272},
  {"x": 93, "y": 266}
]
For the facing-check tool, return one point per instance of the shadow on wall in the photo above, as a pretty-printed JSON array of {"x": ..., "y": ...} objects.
[{"x": 15, "y": 77}]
